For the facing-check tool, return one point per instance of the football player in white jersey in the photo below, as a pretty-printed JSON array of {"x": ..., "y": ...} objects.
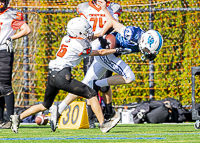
[
  {"x": 94, "y": 11},
  {"x": 74, "y": 46},
  {"x": 10, "y": 21}
]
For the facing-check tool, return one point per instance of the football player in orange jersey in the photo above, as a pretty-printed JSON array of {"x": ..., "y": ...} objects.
[
  {"x": 10, "y": 21},
  {"x": 74, "y": 46},
  {"x": 96, "y": 14}
]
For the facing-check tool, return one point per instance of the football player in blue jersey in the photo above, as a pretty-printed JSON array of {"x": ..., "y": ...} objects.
[
  {"x": 131, "y": 38},
  {"x": 134, "y": 39}
]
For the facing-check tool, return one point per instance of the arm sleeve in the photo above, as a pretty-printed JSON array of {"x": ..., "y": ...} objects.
[{"x": 16, "y": 24}]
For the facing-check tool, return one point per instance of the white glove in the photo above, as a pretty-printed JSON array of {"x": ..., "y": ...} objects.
[{"x": 9, "y": 45}]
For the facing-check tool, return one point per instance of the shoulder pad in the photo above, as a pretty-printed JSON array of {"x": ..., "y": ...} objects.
[
  {"x": 117, "y": 9},
  {"x": 82, "y": 7},
  {"x": 14, "y": 14}
]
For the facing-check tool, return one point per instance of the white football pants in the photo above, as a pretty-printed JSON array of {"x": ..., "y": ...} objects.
[{"x": 109, "y": 62}]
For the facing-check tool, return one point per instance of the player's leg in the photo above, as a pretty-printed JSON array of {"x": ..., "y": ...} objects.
[
  {"x": 107, "y": 97},
  {"x": 95, "y": 71},
  {"x": 87, "y": 62},
  {"x": 6, "y": 86},
  {"x": 117, "y": 65},
  {"x": 50, "y": 94},
  {"x": 87, "y": 92},
  {"x": 78, "y": 88},
  {"x": 2, "y": 106}
]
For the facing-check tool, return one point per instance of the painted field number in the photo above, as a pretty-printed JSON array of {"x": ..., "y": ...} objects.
[{"x": 74, "y": 116}]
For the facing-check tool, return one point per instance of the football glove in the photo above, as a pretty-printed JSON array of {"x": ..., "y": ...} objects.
[
  {"x": 9, "y": 45},
  {"x": 104, "y": 43},
  {"x": 150, "y": 57},
  {"x": 109, "y": 31},
  {"x": 123, "y": 50}
]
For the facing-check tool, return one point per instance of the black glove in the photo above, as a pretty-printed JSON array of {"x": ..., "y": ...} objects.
[
  {"x": 9, "y": 45},
  {"x": 104, "y": 43},
  {"x": 109, "y": 30},
  {"x": 150, "y": 57},
  {"x": 123, "y": 50}
]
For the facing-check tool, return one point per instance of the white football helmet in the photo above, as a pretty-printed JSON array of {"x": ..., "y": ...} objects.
[
  {"x": 79, "y": 27},
  {"x": 150, "y": 42}
]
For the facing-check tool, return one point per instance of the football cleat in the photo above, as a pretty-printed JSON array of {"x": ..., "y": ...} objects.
[
  {"x": 92, "y": 126},
  {"x": 54, "y": 117},
  {"x": 108, "y": 125},
  {"x": 1, "y": 122},
  {"x": 6, "y": 125},
  {"x": 15, "y": 123}
]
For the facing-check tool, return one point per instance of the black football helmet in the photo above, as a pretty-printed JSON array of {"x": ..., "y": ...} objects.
[
  {"x": 5, "y": 5},
  {"x": 95, "y": 1}
]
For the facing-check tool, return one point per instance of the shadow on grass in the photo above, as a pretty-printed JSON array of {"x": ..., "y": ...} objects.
[
  {"x": 34, "y": 127},
  {"x": 121, "y": 131}
]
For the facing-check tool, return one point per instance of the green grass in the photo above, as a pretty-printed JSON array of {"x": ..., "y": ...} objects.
[{"x": 151, "y": 133}]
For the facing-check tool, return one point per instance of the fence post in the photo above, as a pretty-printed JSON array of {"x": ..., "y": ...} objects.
[
  {"x": 151, "y": 63},
  {"x": 25, "y": 63}
]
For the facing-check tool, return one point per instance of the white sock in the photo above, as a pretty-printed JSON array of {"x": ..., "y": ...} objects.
[
  {"x": 61, "y": 107},
  {"x": 102, "y": 82}
]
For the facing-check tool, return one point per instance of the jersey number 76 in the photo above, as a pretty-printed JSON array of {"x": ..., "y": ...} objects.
[{"x": 95, "y": 19}]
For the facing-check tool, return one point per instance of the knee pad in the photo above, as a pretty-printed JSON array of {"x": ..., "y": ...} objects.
[
  {"x": 129, "y": 77},
  {"x": 105, "y": 89},
  {"x": 5, "y": 89},
  {"x": 2, "y": 89}
]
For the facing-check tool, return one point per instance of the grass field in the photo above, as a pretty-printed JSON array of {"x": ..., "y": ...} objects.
[{"x": 151, "y": 133}]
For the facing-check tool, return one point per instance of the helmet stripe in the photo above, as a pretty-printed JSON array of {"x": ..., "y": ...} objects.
[{"x": 160, "y": 41}]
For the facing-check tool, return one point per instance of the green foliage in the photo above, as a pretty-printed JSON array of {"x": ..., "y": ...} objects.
[{"x": 172, "y": 76}]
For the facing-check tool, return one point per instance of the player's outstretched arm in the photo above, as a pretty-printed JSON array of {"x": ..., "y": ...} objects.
[
  {"x": 24, "y": 30},
  {"x": 102, "y": 52},
  {"x": 112, "y": 24}
]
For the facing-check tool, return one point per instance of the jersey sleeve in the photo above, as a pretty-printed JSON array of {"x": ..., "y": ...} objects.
[
  {"x": 17, "y": 17},
  {"x": 16, "y": 14},
  {"x": 81, "y": 8},
  {"x": 16, "y": 24},
  {"x": 117, "y": 9}
]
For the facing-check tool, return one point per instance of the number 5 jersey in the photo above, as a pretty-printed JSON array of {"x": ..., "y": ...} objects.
[{"x": 70, "y": 53}]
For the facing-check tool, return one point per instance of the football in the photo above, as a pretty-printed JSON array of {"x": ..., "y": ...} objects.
[
  {"x": 41, "y": 119},
  {"x": 112, "y": 40}
]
